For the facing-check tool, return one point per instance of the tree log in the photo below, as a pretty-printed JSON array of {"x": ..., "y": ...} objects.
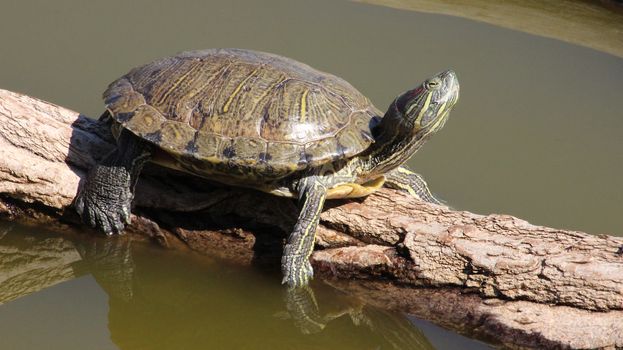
[{"x": 523, "y": 285}]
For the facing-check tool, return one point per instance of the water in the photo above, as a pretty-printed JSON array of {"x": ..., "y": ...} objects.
[
  {"x": 95, "y": 293},
  {"x": 536, "y": 134}
]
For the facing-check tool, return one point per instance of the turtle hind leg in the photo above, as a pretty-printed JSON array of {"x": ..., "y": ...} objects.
[
  {"x": 105, "y": 198},
  {"x": 406, "y": 180},
  {"x": 295, "y": 265}
]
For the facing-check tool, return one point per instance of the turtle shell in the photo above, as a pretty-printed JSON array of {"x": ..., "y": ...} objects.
[{"x": 255, "y": 112}]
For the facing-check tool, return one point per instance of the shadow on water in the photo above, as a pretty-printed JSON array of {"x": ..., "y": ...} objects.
[{"x": 158, "y": 299}]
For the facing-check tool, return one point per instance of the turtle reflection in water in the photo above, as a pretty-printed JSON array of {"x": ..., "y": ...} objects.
[
  {"x": 261, "y": 121},
  {"x": 157, "y": 300}
]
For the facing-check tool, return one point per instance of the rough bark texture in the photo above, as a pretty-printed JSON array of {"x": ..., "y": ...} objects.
[{"x": 523, "y": 285}]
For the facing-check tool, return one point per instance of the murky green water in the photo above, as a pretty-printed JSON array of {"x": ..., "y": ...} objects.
[
  {"x": 97, "y": 293},
  {"x": 536, "y": 134}
]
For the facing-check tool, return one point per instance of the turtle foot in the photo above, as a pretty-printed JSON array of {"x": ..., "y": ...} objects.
[
  {"x": 104, "y": 201},
  {"x": 297, "y": 271},
  {"x": 303, "y": 308}
]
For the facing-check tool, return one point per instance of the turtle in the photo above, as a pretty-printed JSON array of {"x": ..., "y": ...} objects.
[{"x": 266, "y": 122}]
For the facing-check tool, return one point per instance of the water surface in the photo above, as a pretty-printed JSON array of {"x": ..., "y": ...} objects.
[{"x": 97, "y": 293}]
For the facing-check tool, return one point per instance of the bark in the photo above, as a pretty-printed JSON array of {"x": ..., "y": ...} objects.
[{"x": 523, "y": 285}]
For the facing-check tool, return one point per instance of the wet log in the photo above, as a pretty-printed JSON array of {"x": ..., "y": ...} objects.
[{"x": 500, "y": 264}]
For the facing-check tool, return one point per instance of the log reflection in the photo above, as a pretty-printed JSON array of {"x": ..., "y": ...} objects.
[
  {"x": 161, "y": 300},
  {"x": 29, "y": 264}
]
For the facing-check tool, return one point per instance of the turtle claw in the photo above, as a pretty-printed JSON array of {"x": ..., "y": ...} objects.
[
  {"x": 125, "y": 216},
  {"x": 120, "y": 231},
  {"x": 92, "y": 220},
  {"x": 105, "y": 200},
  {"x": 79, "y": 205},
  {"x": 119, "y": 221},
  {"x": 104, "y": 225}
]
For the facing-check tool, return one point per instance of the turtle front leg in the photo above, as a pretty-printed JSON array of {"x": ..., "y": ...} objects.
[
  {"x": 105, "y": 198},
  {"x": 295, "y": 265},
  {"x": 303, "y": 308},
  {"x": 406, "y": 180}
]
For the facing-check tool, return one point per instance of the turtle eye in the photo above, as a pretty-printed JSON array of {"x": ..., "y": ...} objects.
[{"x": 433, "y": 84}]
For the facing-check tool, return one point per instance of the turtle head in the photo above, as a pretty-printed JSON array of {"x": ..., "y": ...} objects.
[
  {"x": 410, "y": 119},
  {"x": 425, "y": 109}
]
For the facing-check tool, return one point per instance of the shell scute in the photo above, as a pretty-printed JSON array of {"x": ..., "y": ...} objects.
[
  {"x": 208, "y": 145},
  {"x": 247, "y": 150},
  {"x": 125, "y": 103},
  {"x": 174, "y": 136},
  {"x": 281, "y": 155},
  {"x": 146, "y": 120}
]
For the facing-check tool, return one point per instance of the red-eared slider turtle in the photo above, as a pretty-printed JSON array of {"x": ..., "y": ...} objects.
[{"x": 262, "y": 121}]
